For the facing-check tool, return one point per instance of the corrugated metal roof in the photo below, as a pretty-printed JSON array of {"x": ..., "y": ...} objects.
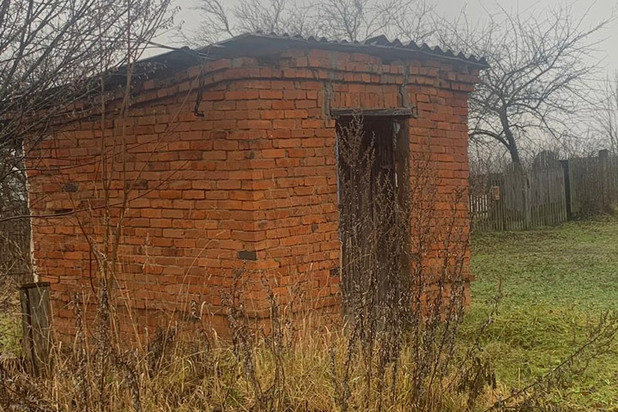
[
  {"x": 259, "y": 43},
  {"x": 263, "y": 44}
]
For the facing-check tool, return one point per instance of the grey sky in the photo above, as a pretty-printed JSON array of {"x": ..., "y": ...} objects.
[{"x": 597, "y": 10}]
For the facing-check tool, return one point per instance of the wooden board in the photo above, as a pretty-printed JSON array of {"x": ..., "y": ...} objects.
[{"x": 36, "y": 326}]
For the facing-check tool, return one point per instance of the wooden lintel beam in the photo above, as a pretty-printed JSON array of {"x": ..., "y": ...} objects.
[{"x": 391, "y": 112}]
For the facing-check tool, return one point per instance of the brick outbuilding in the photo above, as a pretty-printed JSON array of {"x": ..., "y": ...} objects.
[{"x": 227, "y": 158}]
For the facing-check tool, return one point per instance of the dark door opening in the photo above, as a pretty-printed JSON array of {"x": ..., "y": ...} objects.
[{"x": 373, "y": 185}]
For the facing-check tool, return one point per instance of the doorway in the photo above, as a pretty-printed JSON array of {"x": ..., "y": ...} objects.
[{"x": 373, "y": 190}]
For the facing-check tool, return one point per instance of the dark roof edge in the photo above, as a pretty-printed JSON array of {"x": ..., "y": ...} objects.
[
  {"x": 376, "y": 44},
  {"x": 256, "y": 44}
]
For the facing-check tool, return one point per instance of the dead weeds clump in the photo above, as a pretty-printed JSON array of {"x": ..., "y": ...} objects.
[{"x": 404, "y": 293}]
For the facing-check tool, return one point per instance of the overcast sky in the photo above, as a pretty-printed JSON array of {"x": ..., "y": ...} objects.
[{"x": 598, "y": 10}]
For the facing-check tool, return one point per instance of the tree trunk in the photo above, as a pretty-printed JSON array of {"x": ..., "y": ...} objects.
[
  {"x": 510, "y": 138},
  {"x": 514, "y": 152}
]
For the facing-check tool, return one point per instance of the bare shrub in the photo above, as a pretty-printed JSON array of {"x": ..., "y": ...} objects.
[
  {"x": 403, "y": 288},
  {"x": 53, "y": 53}
]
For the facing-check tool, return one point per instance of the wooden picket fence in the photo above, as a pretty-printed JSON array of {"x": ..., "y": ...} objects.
[
  {"x": 593, "y": 184},
  {"x": 548, "y": 193},
  {"x": 15, "y": 251}
]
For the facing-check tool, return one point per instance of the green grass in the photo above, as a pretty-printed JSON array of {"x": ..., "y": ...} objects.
[
  {"x": 10, "y": 334},
  {"x": 555, "y": 283},
  {"x": 10, "y": 320}
]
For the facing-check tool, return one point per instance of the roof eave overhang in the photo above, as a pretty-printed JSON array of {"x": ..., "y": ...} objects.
[{"x": 258, "y": 44}]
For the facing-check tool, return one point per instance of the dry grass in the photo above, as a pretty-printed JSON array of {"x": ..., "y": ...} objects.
[
  {"x": 295, "y": 367},
  {"x": 197, "y": 374},
  {"x": 312, "y": 370},
  {"x": 401, "y": 347}
]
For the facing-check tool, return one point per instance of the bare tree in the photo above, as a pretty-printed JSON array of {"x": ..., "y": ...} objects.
[
  {"x": 540, "y": 64},
  {"x": 50, "y": 49},
  {"x": 52, "y": 54},
  {"x": 351, "y": 20},
  {"x": 49, "y": 52},
  {"x": 606, "y": 114}
]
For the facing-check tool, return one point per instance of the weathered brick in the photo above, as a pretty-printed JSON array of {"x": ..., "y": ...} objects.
[{"x": 246, "y": 179}]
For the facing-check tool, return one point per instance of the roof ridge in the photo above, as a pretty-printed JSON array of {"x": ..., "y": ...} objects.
[{"x": 379, "y": 41}]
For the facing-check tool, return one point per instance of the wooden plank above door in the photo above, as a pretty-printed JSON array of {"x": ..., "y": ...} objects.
[{"x": 392, "y": 112}]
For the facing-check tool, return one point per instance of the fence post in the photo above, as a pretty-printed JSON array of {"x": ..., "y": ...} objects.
[
  {"x": 567, "y": 188},
  {"x": 36, "y": 326},
  {"x": 604, "y": 177},
  {"x": 525, "y": 181}
]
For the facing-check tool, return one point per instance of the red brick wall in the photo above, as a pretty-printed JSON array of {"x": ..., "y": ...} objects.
[{"x": 244, "y": 179}]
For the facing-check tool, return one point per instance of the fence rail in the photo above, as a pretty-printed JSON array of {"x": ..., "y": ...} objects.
[{"x": 549, "y": 193}]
